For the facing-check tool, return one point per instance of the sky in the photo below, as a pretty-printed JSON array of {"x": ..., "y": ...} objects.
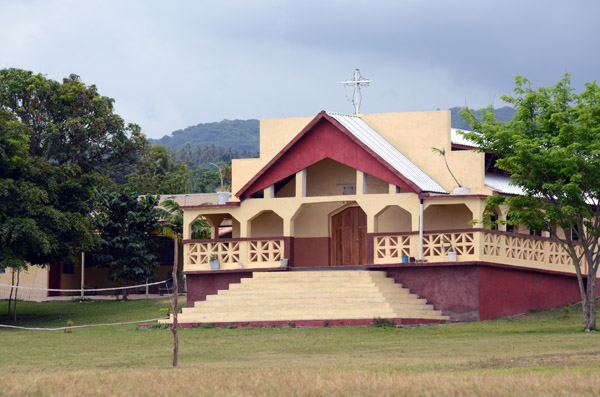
[{"x": 172, "y": 64}]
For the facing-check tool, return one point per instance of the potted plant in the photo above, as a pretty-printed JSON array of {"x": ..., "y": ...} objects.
[
  {"x": 457, "y": 190},
  {"x": 214, "y": 262},
  {"x": 284, "y": 262},
  {"x": 223, "y": 193},
  {"x": 451, "y": 252}
]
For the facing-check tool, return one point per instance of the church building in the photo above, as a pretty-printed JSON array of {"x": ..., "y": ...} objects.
[{"x": 347, "y": 218}]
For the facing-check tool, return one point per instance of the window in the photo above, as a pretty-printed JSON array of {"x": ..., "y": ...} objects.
[
  {"x": 575, "y": 233},
  {"x": 509, "y": 228},
  {"x": 533, "y": 232},
  {"x": 68, "y": 268},
  {"x": 493, "y": 220}
]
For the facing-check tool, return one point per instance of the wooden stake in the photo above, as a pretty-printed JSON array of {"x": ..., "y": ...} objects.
[{"x": 175, "y": 309}]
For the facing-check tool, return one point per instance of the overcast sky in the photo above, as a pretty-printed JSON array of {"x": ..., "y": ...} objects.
[{"x": 171, "y": 64}]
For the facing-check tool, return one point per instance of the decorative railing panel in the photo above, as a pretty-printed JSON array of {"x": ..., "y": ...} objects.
[
  {"x": 390, "y": 249},
  {"x": 477, "y": 245},
  {"x": 436, "y": 246},
  {"x": 225, "y": 252},
  {"x": 261, "y": 251},
  {"x": 233, "y": 254},
  {"x": 527, "y": 251}
]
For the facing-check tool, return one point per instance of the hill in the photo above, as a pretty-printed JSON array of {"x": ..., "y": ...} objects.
[
  {"x": 503, "y": 114},
  {"x": 235, "y": 134}
]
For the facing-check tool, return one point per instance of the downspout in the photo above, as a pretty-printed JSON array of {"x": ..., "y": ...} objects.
[{"x": 421, "y": 230}]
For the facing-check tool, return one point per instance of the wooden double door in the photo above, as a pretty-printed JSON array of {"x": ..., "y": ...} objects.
[{"x": 349, "y": 237}]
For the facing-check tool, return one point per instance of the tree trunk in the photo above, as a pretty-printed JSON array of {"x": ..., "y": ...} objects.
[
  {"x": 11, "y": 291},
  {"x": 589, "y": 303},
  {"x": 16, "y": 292},
  {"x": 124, "y": 292}
]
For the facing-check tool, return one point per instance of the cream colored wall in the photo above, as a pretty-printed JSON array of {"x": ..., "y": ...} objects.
[
  {"x": 415, "y": 133},
  {"x": 288, "y": 190},
  {"x": 312, "y": 220},
  {"x": 267, "y": 224},
  {"x": 34, "y": 276},
  {"x": 376, "y": 185},
  {"x": 444, "y": 217},
  {"x": 323, "y": 178},
  {"x": 393, "y": 219}
]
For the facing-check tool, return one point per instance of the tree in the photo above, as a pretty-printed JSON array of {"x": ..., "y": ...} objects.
[
  {"x": 127, "y": 225},
  {"x": 70, "y": 123},
  {"x": 551, "y": 149},
  {"x": 157, "y": 173}
]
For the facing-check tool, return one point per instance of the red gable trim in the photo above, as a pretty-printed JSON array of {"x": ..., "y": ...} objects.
[{"x": 324, "y": 138}]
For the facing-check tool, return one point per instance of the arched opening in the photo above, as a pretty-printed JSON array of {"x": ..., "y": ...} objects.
[
  {"x": 266, "y": 224},
  {"x": 447, "y": 217},
  {"x": 393, "y": 218},
  {"x": 214, "y": 226}
]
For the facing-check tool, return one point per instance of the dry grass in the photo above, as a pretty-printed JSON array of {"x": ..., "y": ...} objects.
[
  {"x": 302, "y": 382},
  {"x": 543, "y": 353}
]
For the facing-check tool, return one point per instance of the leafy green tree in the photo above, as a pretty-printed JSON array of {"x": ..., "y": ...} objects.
[
  {"x": 157, "y": 173},
  {"x": 551, "y": 149},
  {"x": 43, "y": 207},
  {"x": 59, "y": 141},
  {"x": 127, "y": 226},
  {"x": 70, "y": 123}
]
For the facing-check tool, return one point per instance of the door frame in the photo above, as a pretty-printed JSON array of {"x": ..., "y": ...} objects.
[{"x": 332, "y": 249}]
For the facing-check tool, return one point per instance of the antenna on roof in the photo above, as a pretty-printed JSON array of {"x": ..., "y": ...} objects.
[{"x": 358, "y": 82}]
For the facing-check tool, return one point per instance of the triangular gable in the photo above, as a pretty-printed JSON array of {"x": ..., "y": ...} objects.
[{"x": 325, "y": 137}]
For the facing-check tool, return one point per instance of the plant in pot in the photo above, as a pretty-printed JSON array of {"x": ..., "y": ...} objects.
[
  {"x": 214, "y": 262},
  {"x": 223, "y": 193},
  {"x": 451, "y": 251},
  {"x": 457, "y": 190}
]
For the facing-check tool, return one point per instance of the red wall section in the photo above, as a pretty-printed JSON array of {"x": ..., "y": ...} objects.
[
  {"x": 310, "y": 252},
  {"x": 505, "y": 292},
  {"x": 325, "y": 141},
  {"x": 200, "y": 285},
  {"x": 452, "y": 289}
]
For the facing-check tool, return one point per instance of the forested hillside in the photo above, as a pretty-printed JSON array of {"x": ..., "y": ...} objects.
[
  {"x": 235, "y": 134},
  {"x": 503, "y": 114}
]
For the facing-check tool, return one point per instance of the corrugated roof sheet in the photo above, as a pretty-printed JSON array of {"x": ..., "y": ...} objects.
[
  {"x": 501, "y": 184},
  {"x": 368, "y": 136},
  {"x": 458, "y": 139}
]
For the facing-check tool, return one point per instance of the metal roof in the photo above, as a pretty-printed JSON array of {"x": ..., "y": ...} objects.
[
  {"x": 458, "y": 139},
  {"x": 368, "y": 136},
  {"x": 501, "y": 184}
]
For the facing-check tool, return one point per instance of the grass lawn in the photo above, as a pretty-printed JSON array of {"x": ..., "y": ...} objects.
[{"x": 543, "y": 353}]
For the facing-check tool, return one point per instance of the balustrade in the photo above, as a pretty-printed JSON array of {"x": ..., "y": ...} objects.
[
  {"x": 233, "y": 254},
  {"x": 477, "y": 245}
]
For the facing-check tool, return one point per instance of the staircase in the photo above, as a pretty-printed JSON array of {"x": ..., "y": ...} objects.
[{"x": 311, "y": 295}]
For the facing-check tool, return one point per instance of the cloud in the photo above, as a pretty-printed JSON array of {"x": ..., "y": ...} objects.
[{"x": 170, "y": 65}]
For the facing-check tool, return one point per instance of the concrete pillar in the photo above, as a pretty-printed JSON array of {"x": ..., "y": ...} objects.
[
  {"x": 269, "y": 192},
  {"x": 361, "y": 182},
  {"x": 301, "y": 183}
]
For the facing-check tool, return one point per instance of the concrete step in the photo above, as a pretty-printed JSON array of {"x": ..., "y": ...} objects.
[
  {"x": 283, "y": 298},
  {"x": 311, "y": 295}
]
